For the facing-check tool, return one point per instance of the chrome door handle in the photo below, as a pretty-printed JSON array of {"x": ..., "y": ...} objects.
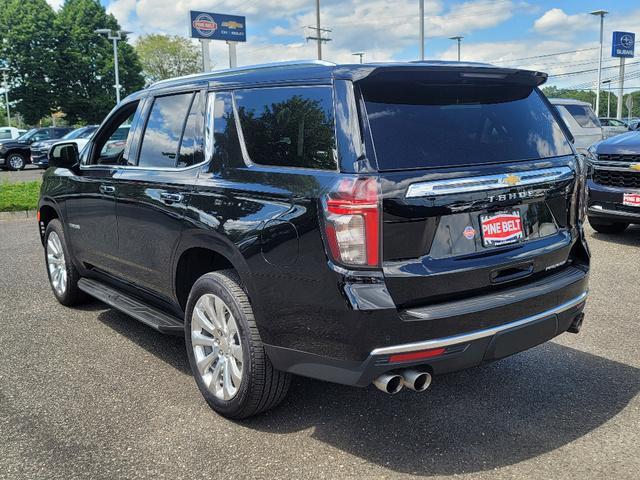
[
  {"x": 172, "y": 197},
  {"x": 107, "y": 189}
]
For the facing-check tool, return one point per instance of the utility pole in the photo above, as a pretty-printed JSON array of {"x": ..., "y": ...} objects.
[
  {"x": 5, "y": 85},
  {"x": 459, "y": 40},
  {"x": 318, "y": 36},
  {"x": 601, "y": 14},
  {"x": 422, "y": 30},
  {"x": 359, "y": 54}
]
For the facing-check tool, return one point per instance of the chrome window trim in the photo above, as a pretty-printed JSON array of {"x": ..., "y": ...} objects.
[
  {"x": 489, "y": 332},
  {"x": 487, "y": 182}
]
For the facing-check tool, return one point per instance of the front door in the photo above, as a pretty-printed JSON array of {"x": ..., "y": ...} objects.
[
  {"x": 91, "y": 203},
  {"x": 153, "y": 194}
]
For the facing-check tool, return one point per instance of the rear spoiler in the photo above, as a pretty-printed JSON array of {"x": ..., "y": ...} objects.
[{"x": 446, "y": 72}]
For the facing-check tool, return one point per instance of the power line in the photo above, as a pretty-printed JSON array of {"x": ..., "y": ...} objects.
[
  {"x": 547, "y": 55},
  {"x": 568, "y": 74}
]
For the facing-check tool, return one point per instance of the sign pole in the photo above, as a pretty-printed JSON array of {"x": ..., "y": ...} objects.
[
  {"x": 620, "y": 89},
  {"x": 233, "y": 60},
  {"x": 206, "y": 60}
]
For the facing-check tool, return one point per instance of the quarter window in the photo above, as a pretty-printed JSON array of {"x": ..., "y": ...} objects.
[
  {"x": 225, "y": 143},
  {"x": 191, "y": 145},
  {"x": 288, "y": 127},
  {"x": 164, "y": 129}
]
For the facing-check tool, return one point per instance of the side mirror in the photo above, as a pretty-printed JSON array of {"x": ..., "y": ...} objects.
[{"x": 64, "y": 155}]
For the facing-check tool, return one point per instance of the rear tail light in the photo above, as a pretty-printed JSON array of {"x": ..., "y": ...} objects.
[{"x": 352, "y": 221}]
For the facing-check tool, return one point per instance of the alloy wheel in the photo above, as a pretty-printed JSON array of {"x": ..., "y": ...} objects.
[
  {"x": 16, "y": 162},
  {"x": 56, "y": 264},
  {"x": 217, "y": 346}
]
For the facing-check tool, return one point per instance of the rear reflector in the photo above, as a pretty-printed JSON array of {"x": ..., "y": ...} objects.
[{"x": 419, "y": 355}]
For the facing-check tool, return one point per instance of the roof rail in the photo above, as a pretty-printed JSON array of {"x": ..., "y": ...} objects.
[{"x": 246, "y": 68}]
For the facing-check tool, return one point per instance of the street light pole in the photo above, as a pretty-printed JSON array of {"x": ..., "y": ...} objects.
[
  {"x": 422, "y": 30},
  {"x": 601, "y": 14},
  {"x": 5, "y": 84},
  {"x": 458, "y": 38},
  {"x": 114, "y": 36},
  {"x": 359, "y": 54}
]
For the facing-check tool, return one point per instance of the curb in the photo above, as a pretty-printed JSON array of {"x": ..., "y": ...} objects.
[{"x": 18, "y": 215}]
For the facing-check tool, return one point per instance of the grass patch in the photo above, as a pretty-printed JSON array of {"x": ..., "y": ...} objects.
[{"x": 15, "y": 197}]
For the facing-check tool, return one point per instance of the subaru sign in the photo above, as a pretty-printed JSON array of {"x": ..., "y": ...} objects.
[
  {"x": 218, "y": 26},
  {"x": 623, "y": 44}
]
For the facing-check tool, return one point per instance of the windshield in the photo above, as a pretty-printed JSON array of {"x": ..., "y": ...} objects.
[
  {"x": 425, "y": 125},
  {"x": 27, "y": 135},
  {"x": 83, "y": 132}
]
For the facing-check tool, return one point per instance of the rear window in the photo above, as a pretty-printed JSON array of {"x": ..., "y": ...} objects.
[
  {"x": 288, "y": 126},
  {"x": 583, "y": 115},
  {"x": 422, "y": 125}
]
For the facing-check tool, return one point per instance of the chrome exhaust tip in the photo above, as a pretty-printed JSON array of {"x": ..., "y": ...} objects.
[
  {"x": 416, "y": 380},
  {"x": 390, "y": 383}
]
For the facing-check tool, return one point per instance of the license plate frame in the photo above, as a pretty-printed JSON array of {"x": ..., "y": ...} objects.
[{"x": 515, "y": 235}]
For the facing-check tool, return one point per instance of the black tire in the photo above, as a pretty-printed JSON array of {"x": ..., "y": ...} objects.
[
  {"x": 607, "y": 227},
  {"x": 18, "y": 160},
  {"x": 71, "y": 295},
  {"x": 262, "y": 387}
]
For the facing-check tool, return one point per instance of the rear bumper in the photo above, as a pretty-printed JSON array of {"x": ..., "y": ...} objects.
[
  {"x": 605, "y": 203},
  {"x": 459, "y": 351}
]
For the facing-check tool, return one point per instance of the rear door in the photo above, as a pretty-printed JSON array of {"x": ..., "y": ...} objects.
[
  {"x": 154, "y": 193},
  {"x": 477, "y": 180}
]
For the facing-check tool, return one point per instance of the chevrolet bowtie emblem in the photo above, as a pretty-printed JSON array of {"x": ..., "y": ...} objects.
[
  {"x": 635, "y": 166},
  {"x": 232, "y": 25},
  {"x": 511, "y": 180}
]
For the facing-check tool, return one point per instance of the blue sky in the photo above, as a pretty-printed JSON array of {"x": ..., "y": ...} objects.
[{"x": 506, "y": 32}]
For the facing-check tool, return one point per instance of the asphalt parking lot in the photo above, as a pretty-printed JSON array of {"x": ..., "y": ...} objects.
[
  {"x": 29, "y": 174},
  {"x": 91, "y": 393}
]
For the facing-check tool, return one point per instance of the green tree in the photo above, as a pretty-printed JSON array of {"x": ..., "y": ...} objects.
[
  {"x": 164, "y": 56},
  {"x": 85, "y": 74},
  {"x": 29, "y": 48}
]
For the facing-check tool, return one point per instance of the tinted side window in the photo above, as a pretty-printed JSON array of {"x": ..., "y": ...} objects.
[
  {"x": 291, "y": 127},
  {"x": 164, "y": 129},
  {"x": 583, "y": 115},
  {"x": 191, "y": 146},
  {"x": 42, "y": 135}
]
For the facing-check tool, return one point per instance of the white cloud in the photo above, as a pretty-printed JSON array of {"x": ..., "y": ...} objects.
[{"x": 556, "y": 22}]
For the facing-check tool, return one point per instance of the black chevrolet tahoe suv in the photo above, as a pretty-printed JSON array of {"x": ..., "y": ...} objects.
[
  {"x": 613, "y": 183},
  {"x": 16, "y": 153},
  {"x": 357, "y": 224}
]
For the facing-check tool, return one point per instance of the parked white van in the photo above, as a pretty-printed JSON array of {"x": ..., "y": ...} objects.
[{"x": 581, "y": 120}]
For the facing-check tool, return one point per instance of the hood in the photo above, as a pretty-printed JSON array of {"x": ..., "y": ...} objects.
[
  {"x": 12, "y": 142},
  {"x": 625, "y": 144},
  {"x": 44, "y": 143}
]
